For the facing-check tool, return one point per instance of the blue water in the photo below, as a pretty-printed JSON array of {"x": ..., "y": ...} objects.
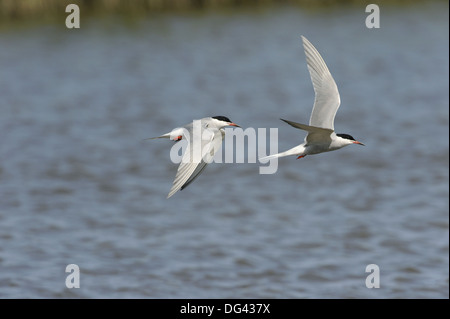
[{"x": 78, "y": 185}]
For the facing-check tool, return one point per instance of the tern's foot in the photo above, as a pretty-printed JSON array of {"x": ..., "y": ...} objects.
[
  {"x": 178, "y": 138},
  {"x": 301, "y": 156}
]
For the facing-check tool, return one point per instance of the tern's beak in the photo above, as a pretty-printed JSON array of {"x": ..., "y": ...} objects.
[
  {"x": 359, "y": 143},
  {"x": 233, "y": 124}
]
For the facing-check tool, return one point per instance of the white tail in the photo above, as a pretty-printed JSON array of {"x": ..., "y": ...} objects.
[{"x": 298, "y": 150}]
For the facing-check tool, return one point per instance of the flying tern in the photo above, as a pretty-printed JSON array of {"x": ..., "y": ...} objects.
[
  {"x": 204, "y": 138},
  {"x": 321, "y": 136}
]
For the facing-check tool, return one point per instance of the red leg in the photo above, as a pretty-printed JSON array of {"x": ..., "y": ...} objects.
[{"x": 301, "y": 156}]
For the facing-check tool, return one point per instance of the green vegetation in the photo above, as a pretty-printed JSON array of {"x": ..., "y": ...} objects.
[{"x": 12, "y": 11}]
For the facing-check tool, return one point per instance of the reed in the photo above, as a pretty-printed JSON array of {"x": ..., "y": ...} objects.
[{"x": 16, "y": 10}]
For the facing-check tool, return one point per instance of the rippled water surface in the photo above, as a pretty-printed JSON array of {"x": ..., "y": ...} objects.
[{"x": 79, "y": 185}]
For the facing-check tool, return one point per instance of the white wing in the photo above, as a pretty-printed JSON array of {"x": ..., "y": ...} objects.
[
  {"x": 191, "y": 166},
  {"x": 327, "y": 98},
  {"x": 316, "y": 135}
]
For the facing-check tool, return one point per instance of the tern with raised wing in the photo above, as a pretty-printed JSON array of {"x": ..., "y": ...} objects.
[
  {"x": 204, "y": 137},
  {"x": 321, "y": 136}
]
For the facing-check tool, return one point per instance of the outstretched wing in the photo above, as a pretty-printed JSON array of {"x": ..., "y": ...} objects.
[
  {"x": 327, "y": 99},
  {"x": 194, "y": 160},
  {"x": 317, "y": 135}
]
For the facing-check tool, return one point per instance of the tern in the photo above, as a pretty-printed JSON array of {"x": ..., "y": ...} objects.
[
  {"x": 321, "y": 136},
  {"x": 204, "y": 137}
]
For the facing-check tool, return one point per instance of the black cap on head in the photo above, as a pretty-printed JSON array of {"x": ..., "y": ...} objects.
[
  {"x": 222, "y": 118},
  {"x": 346, "y": 136}
]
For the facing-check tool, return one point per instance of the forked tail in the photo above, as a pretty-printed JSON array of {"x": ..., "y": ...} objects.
[{"x": 298, "y": 150}]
